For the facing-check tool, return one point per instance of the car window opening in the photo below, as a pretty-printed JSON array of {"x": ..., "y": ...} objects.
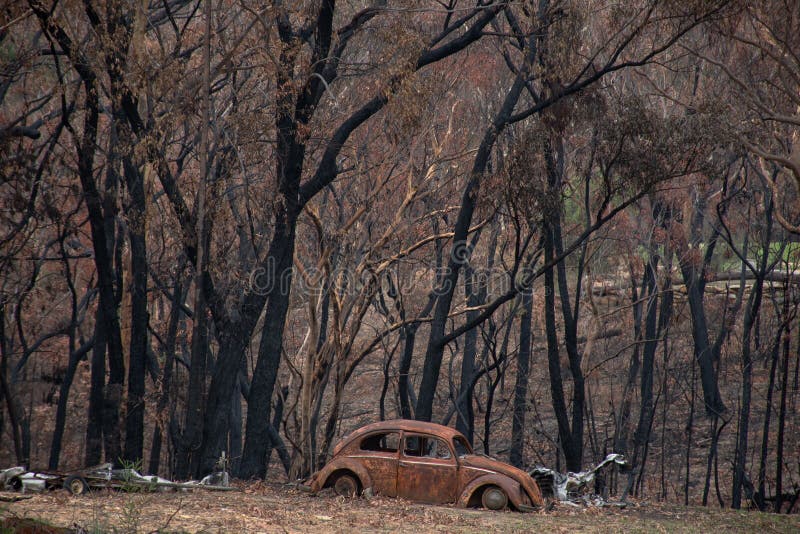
[
  {"x": 461, "y": 446},
  {"x": 384, "y": 442},
  {"x": 419, "y": 446}
]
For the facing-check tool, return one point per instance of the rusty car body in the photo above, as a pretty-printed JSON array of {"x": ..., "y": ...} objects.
[{"x": 423, "y": 462}]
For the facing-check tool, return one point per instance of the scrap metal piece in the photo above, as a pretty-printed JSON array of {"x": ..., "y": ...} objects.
[
  {"x": 104, "y": 476},
  {"x": 564, "y": 486},
  {"x": 10, "y": 474},
  {"x": 37, "y": 482}
]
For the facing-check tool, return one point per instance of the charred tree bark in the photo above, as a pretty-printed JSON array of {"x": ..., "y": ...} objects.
[
  {"x": 623, "y": 423},
  {"x": 689, "y": 431},
  {"x": 787, "y": 341},
  {"x": 465, "y": 414},
  {"x": 94, "y": 419},
  {"x": 694, "y": 280},
  {"x": 759, "y": 269},
  {"x": 72, "y": 363},
  {"x": 136, "y": 216},
  {"x": 75, "y": 357},
  {"x": 165, "y": 409},
  {"x": 516, "y": 455},
  {"x": 187, "y": 458},
  {"x": 409, "y": 334},
  {"x": 571, "y": 441},
  {"x": 476, "y": 291},
  {"x": 235, "y": 433},
  {"x": 189, "y": 455},
  {"x": 276, "y": 444},
  {"x": 751, "y": 312},
  {"x": 269, "y": 351},
  {"x": 657, "y": 319},
  {"x": 105, "y": 273},
  {"x": 762, "y": 463},
  {"x": 11, "y": 405}
]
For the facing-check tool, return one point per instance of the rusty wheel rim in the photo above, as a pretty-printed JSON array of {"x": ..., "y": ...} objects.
[
  {"x": 346, "y": 486},
  {"x": 494, "y": 498},
  {"x": 76, "y": 486}
]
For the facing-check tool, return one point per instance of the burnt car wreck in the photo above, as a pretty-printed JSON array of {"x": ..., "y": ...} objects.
[{"x": 424, "y": 462}]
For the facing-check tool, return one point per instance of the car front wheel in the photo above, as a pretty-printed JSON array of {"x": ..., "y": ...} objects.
[{"x": 494, "y": 498}]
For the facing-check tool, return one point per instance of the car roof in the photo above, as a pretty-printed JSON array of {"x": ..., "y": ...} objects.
[{"x": 408, "y": 425}]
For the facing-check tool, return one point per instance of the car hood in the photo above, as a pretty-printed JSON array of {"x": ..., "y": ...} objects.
[{"x": 490, "y": 464}]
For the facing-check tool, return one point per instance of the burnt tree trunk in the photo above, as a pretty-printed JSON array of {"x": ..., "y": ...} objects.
[
  {"x": 787, "y": 341},
  {"x": 94, "y": 419},
  {"x": 465, "y": 414},
  {"x": 5, "y": 392},
  {"x": 253, "y": 462},
  {"x": 187, "y": 459},
  {"x": 135, "y": 211},
  {"x": 695, "y": 280},
  {"x": 165, "y": 409},
  {"x": 570, "y": 434},
  {"x": 75, "y": 356},
  {"x": 762, "y": 463},
  {"x": 622, "y": 430},
  {"x": 657, "y": 318},
  {"x": 516, "y": 456},
  {"x": 572, "y": 451},
  {"x": 404, "y": 392},
  {"x": 112, "y": 394}
]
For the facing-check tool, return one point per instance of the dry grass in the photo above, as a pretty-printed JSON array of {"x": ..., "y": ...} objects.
[{"x": 262, "y": 508}]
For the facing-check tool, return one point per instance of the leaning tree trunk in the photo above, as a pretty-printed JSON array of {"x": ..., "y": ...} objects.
[
  {"x": 257, "y": 438},
  {"x": 63, "y": 396},
  {"x": 465, "y": 416},
  {"x": 694, "y": 275},
  {"x": 435, "y": 349}
]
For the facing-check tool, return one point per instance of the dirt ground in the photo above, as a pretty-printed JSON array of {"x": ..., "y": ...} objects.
[{"x": 265, "y": 508}]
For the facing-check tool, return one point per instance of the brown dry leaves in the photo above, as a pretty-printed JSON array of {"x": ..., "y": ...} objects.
[{"x": 272, "y": 508}]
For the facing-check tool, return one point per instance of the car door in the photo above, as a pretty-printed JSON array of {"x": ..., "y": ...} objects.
[
  {"x": 378, "y": 454},
  {"x": 427, "y": 470}
]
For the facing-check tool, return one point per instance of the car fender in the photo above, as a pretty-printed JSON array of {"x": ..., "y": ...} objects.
[
  {"x": 507, "y": 484},
  {"x": 320, "y": 479}
]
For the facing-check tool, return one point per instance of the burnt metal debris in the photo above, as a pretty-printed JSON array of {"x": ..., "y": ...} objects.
[
  {"x": 575, "y": 487},
  {"x": 424, "y": 462},
  {"x": 103, "y": 476}
]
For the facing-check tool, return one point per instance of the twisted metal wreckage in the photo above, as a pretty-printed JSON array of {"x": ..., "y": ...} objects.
[
  {"x": 104, "y": 476},
  {"x": 574, "y": 487}
]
